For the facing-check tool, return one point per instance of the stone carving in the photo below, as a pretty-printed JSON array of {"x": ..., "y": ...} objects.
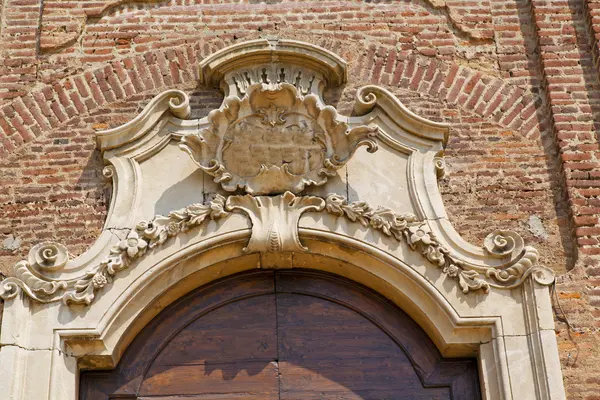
[
  {"x": 440, "y": 167},
  {"x": 108, "y": 172},
  {"x": 48, "y": 256},
  {"x": 419, "y": 237},
  {"x": 309, "y": 68},
  {"x": 174, "y": 101},
  {"x": 83, "y": 291},
  {"x": 274, "y": 229},
  {"x": 370, "y": 97},
  {"x": 274, "y": 140},
  {"x": 274, "y": 220},
  {"x": 303, "y": 79},
  {"x": 272, "y": 137},
  {"x": 502, "y": 243}
]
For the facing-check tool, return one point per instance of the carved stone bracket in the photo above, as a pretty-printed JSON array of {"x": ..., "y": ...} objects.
[{"x": 275, "y": 220}]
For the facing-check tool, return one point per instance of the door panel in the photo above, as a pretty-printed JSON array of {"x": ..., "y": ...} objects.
[
  {"x": 237, "y": 332},
  {"x": 227, "y": 351},
  {"x": 328, "y": 351},
  {"x": 283, "y": 335}
]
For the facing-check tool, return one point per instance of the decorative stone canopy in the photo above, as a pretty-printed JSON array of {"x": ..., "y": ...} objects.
[
  {"x": 274, "y": 178},
  {"x": 308, "y": 68}
]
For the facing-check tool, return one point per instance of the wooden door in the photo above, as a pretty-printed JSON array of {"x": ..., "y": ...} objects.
[{"x": 283, "y": 335}]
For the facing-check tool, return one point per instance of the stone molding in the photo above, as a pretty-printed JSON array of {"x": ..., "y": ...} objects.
[
  {"x": 174, "y": 101},
  {"x": 275, "y": 220},
  {"x": 489, "y": 301},
  {"x": 146, "y": 235},
  {"x": 309, "y": 68}
]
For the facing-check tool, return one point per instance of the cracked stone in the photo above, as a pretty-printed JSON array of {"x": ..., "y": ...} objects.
[{"x": 11, "y": 243}]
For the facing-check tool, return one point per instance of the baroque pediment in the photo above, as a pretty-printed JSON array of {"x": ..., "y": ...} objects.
[
  {"x": 274, "y": 164},
  {"x": 275, "y": 139}
]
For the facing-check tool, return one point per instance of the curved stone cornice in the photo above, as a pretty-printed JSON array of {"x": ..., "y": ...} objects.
[
  {"x": 175, "y": 101},
  {"x": 367, "y": 97},
  {"x": 256, "y": 61}
]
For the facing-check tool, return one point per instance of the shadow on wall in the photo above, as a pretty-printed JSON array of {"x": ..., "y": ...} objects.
[
  {"x": 555, "y": 172},
  {"x": 178, "y": 195},
  {"x": 203, "y": 100}
]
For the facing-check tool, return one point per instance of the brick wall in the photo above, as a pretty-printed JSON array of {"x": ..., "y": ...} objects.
[{"x": 518, "y": 80}]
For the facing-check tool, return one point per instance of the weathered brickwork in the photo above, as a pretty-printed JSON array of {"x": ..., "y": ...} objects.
[{"x": 518, "y": 80}]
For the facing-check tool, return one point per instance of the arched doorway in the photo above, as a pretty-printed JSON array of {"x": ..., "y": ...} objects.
[{"x": 283, "y": 335}]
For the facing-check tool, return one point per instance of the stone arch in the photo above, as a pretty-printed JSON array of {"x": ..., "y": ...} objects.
[
  {"x": 255, "y": 285},
  {"x": 168, "y": 280}
]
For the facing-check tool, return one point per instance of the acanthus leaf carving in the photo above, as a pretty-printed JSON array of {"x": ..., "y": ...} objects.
[
  {"x": 275, "y": 220},
  {"x": 419, "y": 237},
  {"x": 146, "y": 235},
  {"x": 274, "y": 139}
]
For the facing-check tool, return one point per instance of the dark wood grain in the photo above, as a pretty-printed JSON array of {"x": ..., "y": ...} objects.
[{"x": 283, "y": 335}]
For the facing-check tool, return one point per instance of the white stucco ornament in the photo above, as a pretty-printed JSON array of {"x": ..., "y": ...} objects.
[
  {"x": 275, "y": 139},
  {"x": 275, "y": 220},
  {"x": 275, "y": 178}
]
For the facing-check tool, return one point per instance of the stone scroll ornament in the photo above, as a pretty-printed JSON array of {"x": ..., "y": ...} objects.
[
  {"x": 29, "y": 274},
  {"x": 419, "y": 237},
  {"x": 274, "y": 228},
  {"x": 274, "y": 139},
  {"x": 271, "y": 143}
]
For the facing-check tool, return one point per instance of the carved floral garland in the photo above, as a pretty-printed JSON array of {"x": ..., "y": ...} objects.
[
  {"x": 419, "y": 237},
  {"x": 402, "y": 227},
  {"x": 145, "y": 235},
  {"x": 416, "y": 233}
]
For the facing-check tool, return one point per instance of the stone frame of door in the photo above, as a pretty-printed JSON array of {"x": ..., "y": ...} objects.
[{"x": 492, "y": 303}]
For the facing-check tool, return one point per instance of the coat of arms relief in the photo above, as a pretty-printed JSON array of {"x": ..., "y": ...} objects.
[{"x": 273, "y": 137}]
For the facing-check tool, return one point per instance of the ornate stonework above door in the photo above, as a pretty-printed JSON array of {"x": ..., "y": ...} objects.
[{"x": 275, "y": 178}]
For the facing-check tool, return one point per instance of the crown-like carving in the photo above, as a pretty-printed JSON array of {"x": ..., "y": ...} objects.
[
  {"x": 305, "y": 80},
  {"x": 275, "y": 139},
  {"x": 308, "y": 67},
  {"x": 273, "y": 132}
]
